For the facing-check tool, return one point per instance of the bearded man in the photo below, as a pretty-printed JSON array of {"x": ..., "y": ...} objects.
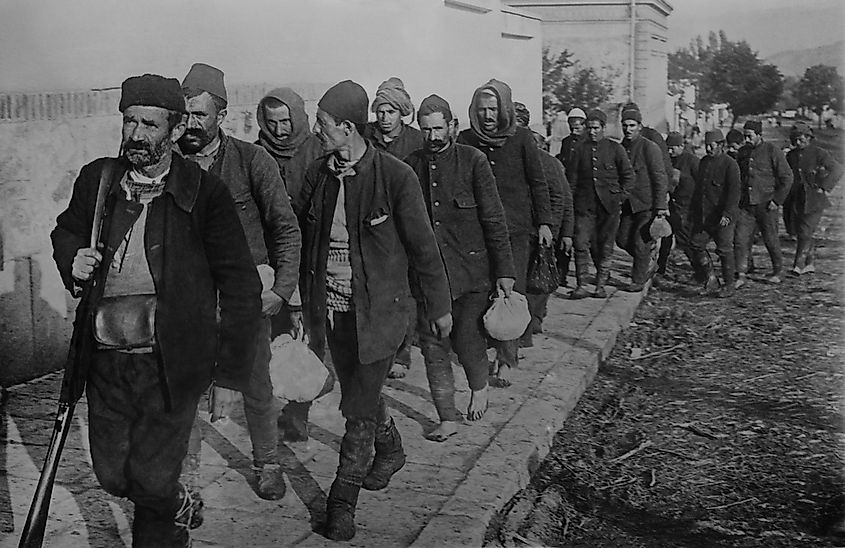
[{"x": 170, "y": 254}]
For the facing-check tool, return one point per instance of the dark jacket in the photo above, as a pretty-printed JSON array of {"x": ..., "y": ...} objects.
[
  {"x": 199, "y": 261},
  {"x": 567, "y": 146},
  {"x": 687, "y": 164},
  {"x": 655, "y": 137},
  {"x": 519, "y": 177},
  {"x": 717, "y": 186},
  {"x": 765, "y": 174},
  {"x": 814, "y": 174},
  {"x": 292, "y": 169},
  {"x": 263, "y": 207},
  {"x": 388, "y": 232},
  {"x": 599, "y": 169},
  {"x": 560, "y": 196},
  {"x": 467, "y": 216},
  {"x": 651, "y": 184},
  {"x": 408, "y": 140}
]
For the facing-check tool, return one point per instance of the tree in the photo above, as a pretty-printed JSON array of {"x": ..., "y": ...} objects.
[
  {"x": 736, "y": 76},
  {"x": 567, "y": 84},
  {"x": 821, "y": 86}
]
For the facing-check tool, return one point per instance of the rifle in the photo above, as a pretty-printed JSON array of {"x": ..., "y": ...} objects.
[{"x": 73, "y": 385}]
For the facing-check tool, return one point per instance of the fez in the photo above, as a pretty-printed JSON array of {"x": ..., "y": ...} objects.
[
  {"x": 674, "y": 139},
  {"x": 734, "y": 136},
  {"x": 632, "y": 114},
  {"x": 206, "y": 78},
  {"x": 597, "y": 115},
  {"x": 713, "y": 136},
  {"x": 754, "y": 125},
  {"x": 432, "y": 104}
]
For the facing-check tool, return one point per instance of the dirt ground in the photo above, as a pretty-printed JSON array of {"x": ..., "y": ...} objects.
[{"x": 715, "y": 422}]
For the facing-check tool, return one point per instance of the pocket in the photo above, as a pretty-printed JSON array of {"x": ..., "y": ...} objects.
[{"x": 465, "y": 201}]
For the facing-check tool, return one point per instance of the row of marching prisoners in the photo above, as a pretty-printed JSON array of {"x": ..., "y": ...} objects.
[{"x": 193, "y": 250}]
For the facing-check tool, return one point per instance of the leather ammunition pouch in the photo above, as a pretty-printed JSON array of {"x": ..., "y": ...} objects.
[{"x": 125, "y": 322}]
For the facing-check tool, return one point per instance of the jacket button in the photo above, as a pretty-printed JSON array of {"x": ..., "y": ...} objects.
[
  {"x": 436, "y": 223},
  {"x": 492, "y": 163},
  {"x": 434, "y": 184},
  {"x": 436, "y": 203}
]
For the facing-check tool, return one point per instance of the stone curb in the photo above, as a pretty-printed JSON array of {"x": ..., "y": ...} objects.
[{"x": 515, "y": 452}]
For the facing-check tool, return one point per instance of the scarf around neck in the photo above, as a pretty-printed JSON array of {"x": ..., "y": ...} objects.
[
  {"x": 507, "y": 114},
  {"x": 300, "y": 128}
]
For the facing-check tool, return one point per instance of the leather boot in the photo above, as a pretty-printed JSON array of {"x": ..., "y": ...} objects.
[
  {"x": 580, "y": 276},
  {"x": 389, "y": 459},
  {"x": 602, "y": 276},
  {"x": 355, "y": 450}
]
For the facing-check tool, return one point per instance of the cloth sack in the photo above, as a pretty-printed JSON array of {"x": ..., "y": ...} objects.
[
  {"x": 543, "y": 277},
  {"x": 507, "y": 317},
  {"x": 296, "y": 372},
  {"x": 660, "y": 228}
]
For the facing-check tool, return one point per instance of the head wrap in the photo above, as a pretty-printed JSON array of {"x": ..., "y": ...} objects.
[
  {"x": 674, "y": 139},
  {"x": 713, "y": 136},
  {"x": 432, "y": 104},
  {"x": 346, "y": 101},
  {"x": 507, "y": 116},
  {"x": 597, "y": 115},
  {"x": 754, "y": 125},
  {"x": 392, "y": 92},
  {"x": 523, "y": 115},
  {"x": 206, "y": 78},
  {"x": 577, "y": 113},
  {"x": 300, "y": 128},
  {"x": 152, "y": 90},
  {"x": 632, "y": 114},
  {"x": 734, "y": 136}
]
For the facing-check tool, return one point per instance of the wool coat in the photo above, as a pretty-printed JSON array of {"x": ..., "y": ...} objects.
[
  {"x": 599, "y": 170},
  {"x": 717, "y": 189},
  {"x": 200, "y": 263},
  {"x": 651, "y": 183},
  {"x": 389, "y": 232},
  {"x": 765, "y": 174}
]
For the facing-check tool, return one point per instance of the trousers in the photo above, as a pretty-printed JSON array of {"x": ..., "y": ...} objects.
[{"x": 750, "y": 218}]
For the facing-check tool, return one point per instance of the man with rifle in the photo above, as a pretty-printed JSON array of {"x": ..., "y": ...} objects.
[{"x": 154, "y": 246}]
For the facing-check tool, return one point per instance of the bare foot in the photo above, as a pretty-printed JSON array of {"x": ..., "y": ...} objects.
[
  {"x": 443, "y": 431},
  {"x": 501, "y": 380},
  {"x": 477, "y": 404}
]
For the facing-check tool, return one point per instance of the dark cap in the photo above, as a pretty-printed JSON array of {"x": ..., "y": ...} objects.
[
  {"x": 598, "y": 115},
  {"x": 674, "y": 139},
  {"x": 346, "y": 101},
  {"x": 632, "y": 114},
  {"x": 432, "y": 104},
  {"x": 713, "y": 136},
  {"x": 734, "y": 136},
  {"x": 152, "y": 90},
  {"x": 206, "y": 78},
  {"x": 801, "y": 128},
  {"x": 754, "y": 125}
]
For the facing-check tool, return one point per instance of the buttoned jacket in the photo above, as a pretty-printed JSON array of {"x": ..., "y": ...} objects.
[
  {"x": 599, "y": 169},
  {"x": 766, "y": 176},
  {"x": 651, "y": 184},
  {"x": 717, "y": 190},
  {"x": 815, "y": 173}
]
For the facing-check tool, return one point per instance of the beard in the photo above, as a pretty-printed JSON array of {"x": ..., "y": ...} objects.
[
  {"x": 142, "y": 154},
  {"x": 196, "y": 139}
]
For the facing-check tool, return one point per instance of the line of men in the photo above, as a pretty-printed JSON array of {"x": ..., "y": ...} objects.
[
  {"x": 730, "y": 196},
  {"x": 358, "y": 242},
  {"x": 376, "y": 233}
]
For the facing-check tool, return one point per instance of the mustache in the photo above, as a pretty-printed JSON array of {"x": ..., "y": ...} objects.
[{"x": 137, "y": 145}]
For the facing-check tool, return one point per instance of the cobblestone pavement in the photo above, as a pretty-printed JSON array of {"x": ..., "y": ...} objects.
[{"x": 445, "y": 495}]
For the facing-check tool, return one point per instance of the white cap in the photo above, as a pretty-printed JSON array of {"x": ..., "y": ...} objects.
[{"x": 576, "y": 113}]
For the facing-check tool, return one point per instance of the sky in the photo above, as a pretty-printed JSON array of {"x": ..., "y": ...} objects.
[{"x": 769, "y": 26}]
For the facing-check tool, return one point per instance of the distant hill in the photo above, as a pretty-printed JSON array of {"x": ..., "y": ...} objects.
[{"x": 794, "y": 62}]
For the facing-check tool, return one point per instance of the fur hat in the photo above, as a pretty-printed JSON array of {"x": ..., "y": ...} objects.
[{"x": 152, "y": 90}]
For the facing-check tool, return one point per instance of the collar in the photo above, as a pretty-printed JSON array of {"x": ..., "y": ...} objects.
[{"x": 182, "y": 182}]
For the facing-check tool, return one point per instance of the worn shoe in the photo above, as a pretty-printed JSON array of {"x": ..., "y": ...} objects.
[
  {"x": 340, "y": 523},
  {"x": 809, "y": 269},
  {"x": 271, "y": 483},
  {"x": 741, "y": 280},
  {"x": 727, "y": 291},
  {"x": 190, "y": 512},
  {"x": 795, "y": 271},
  {"x": 600, "y": 293},
  {"x": 772, "y": 279},
  {"x": 710, "y": 286},
  {"x": 633, "y": 287},
  {"x": 389, "y": 458},
  {"x": 579, "y": 293}
]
